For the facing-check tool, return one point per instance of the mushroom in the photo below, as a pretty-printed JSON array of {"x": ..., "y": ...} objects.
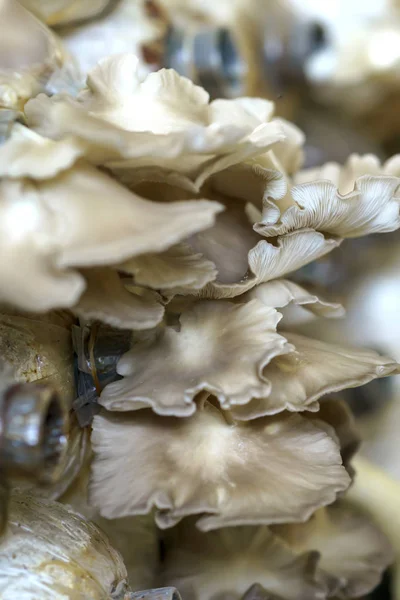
[
  {"x": 353, "y": 550},
  {"x": 58, "y": 238},
  {"x": 30, "y": 54},
  {"x": 205, "y": 354},
  {"x": 227, "y": 562},
  {"x": 164, "y": 120},
  {"x": 272, "y": 470}
]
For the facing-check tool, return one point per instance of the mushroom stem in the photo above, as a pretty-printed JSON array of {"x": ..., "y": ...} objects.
[
  {"x": 378, "y": 494},
  {"x": 228, "y": 417}
]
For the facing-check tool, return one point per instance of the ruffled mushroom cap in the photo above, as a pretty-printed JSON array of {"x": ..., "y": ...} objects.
[
  {"x": 242, "y": 258},
  {"x": 267, "y": 261},
  {"x": 234, "y": 352},
  {"x": 165, "y": 120},
  {"x": 228, "y": 562},
  {"x": 276, "y": 469},
  {"x": 344, "y": 176},
  {"x": 279, "y": 293},
  {"x": 50, "y": 552},
  {"x": 339, "y": 553},
  {"x": 107, "y": 299},
  {"x": 207, "y": 353},
  {"x": 314, "y": 368},
  {"x": 49, "y": 228},
  {"x": 373, "y": 206},
  {"x": 352, "y": 549}
]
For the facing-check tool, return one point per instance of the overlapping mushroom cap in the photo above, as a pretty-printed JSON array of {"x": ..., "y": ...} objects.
[
  {"x": 226, "y": 563},
  {"x": 143, "y": 205},
  {"x": 164, "y": 121},
  {"x": 58, "y": 220},
  {"x": 215, "y": 286},
  {"x": 352, "y": 549},
  {"x": 338, "y": 553},
  {"x": 235, "y": 473},
  {"x": 344, "y": 176},
  {"x": 359, "y": 199}
]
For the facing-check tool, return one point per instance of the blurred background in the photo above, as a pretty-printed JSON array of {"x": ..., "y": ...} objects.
[{"x": 333, "y": 68}]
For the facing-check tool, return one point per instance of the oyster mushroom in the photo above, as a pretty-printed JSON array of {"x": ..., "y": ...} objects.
[
  {"x": 353, "y": 550},
  {"x": 311, "y": 370},
  {"x": 337, "y": 553},
  {"x": 278, "y": 372},
  {"x": 227, "y": 562},
  {"x": 165, "y": 121},
  {"x": 29, "y": 55},
  {"x": 206, "y": 354},
  {"x": 373, "y": 207},
  {"x": 238, "y": 473},
  {"x": 59, "y": 238},
  {"x": 345, "y": 176}
]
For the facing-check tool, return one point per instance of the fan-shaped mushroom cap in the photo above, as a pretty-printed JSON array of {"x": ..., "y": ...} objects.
[{"x": 276, "y": 469}]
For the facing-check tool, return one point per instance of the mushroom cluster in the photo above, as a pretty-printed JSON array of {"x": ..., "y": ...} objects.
[{"x": 142, "y": 206}]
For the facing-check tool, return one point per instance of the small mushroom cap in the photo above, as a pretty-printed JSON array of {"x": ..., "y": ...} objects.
[
  {"x": 281, "y": 292},
  {"x": 28, "y": 154},
  {"x": 178, "y": 267},
  {"x": 107, "y": 299}
]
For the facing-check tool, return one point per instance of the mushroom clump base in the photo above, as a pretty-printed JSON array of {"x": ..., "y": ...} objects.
[{"x": 220, "y": 452}]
